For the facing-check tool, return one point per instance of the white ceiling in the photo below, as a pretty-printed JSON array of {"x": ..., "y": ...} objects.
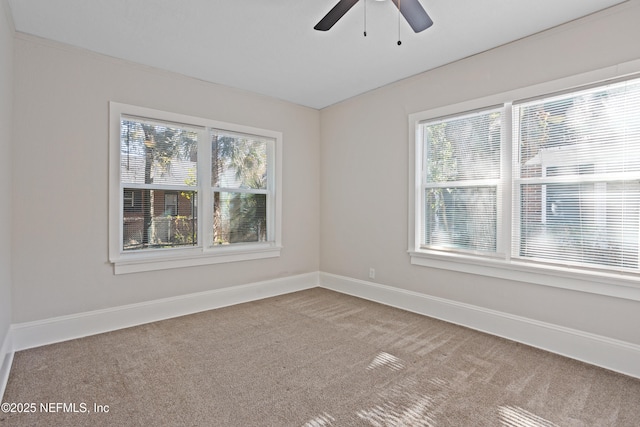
[{"x": 270, "y": 47}]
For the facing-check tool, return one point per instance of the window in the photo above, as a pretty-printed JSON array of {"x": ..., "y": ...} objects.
[
  {"x": 171, "y": 204},
  {"x": 157, "y": 164},
  {"x": 240, "y": 186},
  {"x": 190, "y": 191},
  {"x": 548, "y": 184},
  {"x": 132, "y": 200},
  {"x": 577, "y": 177},
  {"x": 461, "y": 181}
]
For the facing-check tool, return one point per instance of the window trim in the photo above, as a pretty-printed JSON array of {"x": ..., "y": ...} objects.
[
  {"x": 203, "y": 253},
  {"x": 502, "y": 266}
]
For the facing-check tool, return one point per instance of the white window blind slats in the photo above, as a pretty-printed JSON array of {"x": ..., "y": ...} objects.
[
  {"x": 155, "y": 154},
  {"x": 462, "y": 164},
  {"x": 158, "y": 175},
  {"x": 587, "y": 224},
  {"x": 462, "y": 218},
  {"x": 466, "y": 148},
  {"x": 579, "y": 174},
  {"x": 573, "y": 195}
]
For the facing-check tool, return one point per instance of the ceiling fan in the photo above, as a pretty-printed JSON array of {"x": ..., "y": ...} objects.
[{"x": 412, "y": 11}]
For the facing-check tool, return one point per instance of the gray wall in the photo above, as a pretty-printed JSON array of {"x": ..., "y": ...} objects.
[
  {"x": 60, "y": 249},
  {"x": 364, "y": 170},
  {"x": 6, "y": 126}
]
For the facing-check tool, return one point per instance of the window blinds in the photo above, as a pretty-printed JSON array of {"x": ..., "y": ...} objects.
[
  {"x": 158, "y": 175},
  {"x": 577, "y": 177},
  {"x": 461, "y": 181}
]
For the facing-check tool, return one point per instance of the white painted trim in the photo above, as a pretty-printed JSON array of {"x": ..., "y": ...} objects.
[
  {"x": 48, "y": 331},
  {"x": 225, "y": 254},
  {"x": 595, "y": 282},
  {"x": 615, "y": 355},
  {"x": 6, "y": 359}
]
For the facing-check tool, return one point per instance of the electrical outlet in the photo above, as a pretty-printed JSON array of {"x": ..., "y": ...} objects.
[{"x": 372, "y": 273}]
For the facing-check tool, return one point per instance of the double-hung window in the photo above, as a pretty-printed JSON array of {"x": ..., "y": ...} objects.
[
  {"x": 577, "y": 178},
  {"x": 190, "y": 191},
  {"x": 548, "y": 184},
  {"x": 461, "y": 185}
]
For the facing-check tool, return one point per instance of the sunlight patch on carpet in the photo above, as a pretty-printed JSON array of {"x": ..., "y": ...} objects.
[
  {"x": 394, "y": 414},
  {"x": 514, "y": 416},
  {"x": 402, "y": 405},
  {"x": 387, "y": 360},
  {"x": 321, "y": 420}
]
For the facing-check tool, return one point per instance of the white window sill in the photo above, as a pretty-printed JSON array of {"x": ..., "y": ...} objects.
[
  {"x": 625, "y": 286},
  {"x": 163, "y": 259}
]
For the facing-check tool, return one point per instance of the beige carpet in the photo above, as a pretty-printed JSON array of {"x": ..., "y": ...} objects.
[{"x": 311, "y": 358}]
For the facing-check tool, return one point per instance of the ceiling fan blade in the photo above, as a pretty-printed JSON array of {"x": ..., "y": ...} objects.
[
  {"x": 415, "y": 14},
  {"x": 335, "y": 14}
]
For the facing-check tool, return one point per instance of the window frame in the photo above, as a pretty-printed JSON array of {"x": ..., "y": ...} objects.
[
  {"x": 496, "y": 183},
  {"x": 501, "y": 265},
  {"x": 203, "y": 253}
]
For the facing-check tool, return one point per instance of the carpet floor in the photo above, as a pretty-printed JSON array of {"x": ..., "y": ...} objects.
[{"x": 311, "y": 358}]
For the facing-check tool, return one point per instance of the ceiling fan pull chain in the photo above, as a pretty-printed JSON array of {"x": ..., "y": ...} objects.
[
  {"x": 365, "y": 18},
  {"x": 399, "y": 6}
]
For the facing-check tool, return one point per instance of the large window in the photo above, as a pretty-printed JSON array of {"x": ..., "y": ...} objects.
[
  {"x": 190, "y": 191},
  {"x": 551, "y": 182}
]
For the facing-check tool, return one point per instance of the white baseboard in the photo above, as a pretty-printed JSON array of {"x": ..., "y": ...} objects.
[
  {"x": 6, "y": 359},
  {"x": 597, "y": 350},
  {"x": 42, "y": 332},
  {"x": 615, "y": 355}
]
